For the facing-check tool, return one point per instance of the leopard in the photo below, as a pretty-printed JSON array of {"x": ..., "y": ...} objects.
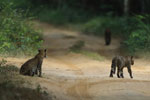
[
  {"x": 121, "y": 62},
  {"x": 34, "y": 65}
]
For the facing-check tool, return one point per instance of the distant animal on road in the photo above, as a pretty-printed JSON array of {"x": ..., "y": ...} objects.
[
  {"x": 33, "y": 66},
  {"x": 120, "y": 62},
  {"x": 107, "y": 37}
]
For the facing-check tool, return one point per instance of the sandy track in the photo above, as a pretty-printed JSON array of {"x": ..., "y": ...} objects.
[{"x": 72, "y": 76}]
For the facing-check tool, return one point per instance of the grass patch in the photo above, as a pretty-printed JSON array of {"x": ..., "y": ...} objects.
[
  {"x": 10, "y": 91},
  {"x": 91, "y": 55},
  {"x": 77, "y": 46},
  {"x": 7, "y": 72},
  {"x": 62, "y": 16}
]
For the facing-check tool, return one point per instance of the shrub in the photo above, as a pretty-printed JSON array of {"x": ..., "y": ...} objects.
[
  {"x": 62, "y": 16},
  {"x": 139, "y": 39},
  {"x": 20, "y": 93},
  {"x": 118, "y": 25},
  {"x": 17, "y": 35},
  {"x": 7, "y": 71},
  {"x": 55, "y": 17}
]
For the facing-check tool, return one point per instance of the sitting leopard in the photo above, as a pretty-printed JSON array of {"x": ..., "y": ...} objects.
[{"x": 33, "y": 66}]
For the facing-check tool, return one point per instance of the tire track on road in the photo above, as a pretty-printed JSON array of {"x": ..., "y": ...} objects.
[{"x": 80, "y": 88}]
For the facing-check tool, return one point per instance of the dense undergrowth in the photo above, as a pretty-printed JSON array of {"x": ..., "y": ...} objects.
[{"x": 16, "y": 33}]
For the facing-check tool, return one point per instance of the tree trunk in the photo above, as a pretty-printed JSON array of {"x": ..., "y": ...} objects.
[
  {"x": 126, "y": 7},
  {"x": 143, "y": 6}
]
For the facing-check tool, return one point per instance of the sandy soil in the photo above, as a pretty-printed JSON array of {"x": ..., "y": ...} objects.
[{"x": 71, "y": 76}]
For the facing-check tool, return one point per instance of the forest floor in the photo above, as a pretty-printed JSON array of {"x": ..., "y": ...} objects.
[{"x": 74, "y": 76}]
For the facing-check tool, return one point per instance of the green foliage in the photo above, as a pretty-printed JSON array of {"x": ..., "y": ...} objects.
[
  {"x": 6, "y": 71},
  {"x": 134, "y": 30},
  {"x": 93, "y": 6},
  {"x": 62, "y": 16},
  {"x": 93, "y": 26},
  {"x": 94, "y": 16},
  {"x": 139, "y": 39},
  {"x": 77, "y": 46},
  {"x": 3, "y": 62},
  {"x": 16, "y": 33},
  {"x": 97, "y": 26},
  {"x": 55, "y": 17}
]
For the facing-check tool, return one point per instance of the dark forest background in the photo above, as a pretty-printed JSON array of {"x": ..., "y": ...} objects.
[{"x": 127, "y": 19}]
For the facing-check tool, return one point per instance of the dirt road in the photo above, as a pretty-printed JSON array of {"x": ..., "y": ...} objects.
[{"x": 71, "y": 76}]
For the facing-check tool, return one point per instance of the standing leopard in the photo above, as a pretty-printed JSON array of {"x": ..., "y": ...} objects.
[
  {"x": 120, "y": 62},
  {"x": 33, "y": 65}
]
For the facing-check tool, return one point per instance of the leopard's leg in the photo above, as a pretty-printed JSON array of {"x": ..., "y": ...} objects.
[
  {"x": 130, "y": 71},
  {"x": 112, "y": 71},
  {"x": 121, "y": 73},
  {"x": 118, "y": 72}
]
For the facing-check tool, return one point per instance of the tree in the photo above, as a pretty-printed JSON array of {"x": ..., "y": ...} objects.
[{"x": 126, "y": 7}]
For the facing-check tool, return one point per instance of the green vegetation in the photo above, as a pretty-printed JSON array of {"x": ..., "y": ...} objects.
[
  {"x": 134, "y": 30},
  {"x": 61, "y": 16},
  {"x": 97, "y": 26},
  {"x": 89, "y": 54},
  {"x": 7, "y": 71},
  {"x": 10, "y": 91},
  {"x": 17, "y": 35},
  {"x": 12, "y": 85},
  {"x": 77, "y": 46},
  {"x": 92, "y": 55},
  {"x": 139, "y": 39},
  {"x": 91, "y": 17}
]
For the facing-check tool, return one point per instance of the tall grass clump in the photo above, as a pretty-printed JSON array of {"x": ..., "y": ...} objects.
[{"x": 16, "y": 33}]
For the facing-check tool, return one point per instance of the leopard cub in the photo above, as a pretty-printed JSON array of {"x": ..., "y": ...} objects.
[{"x": 33, "y": 66}]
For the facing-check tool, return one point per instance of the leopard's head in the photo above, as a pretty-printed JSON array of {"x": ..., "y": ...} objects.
[{"x": 42, "y": 52}]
